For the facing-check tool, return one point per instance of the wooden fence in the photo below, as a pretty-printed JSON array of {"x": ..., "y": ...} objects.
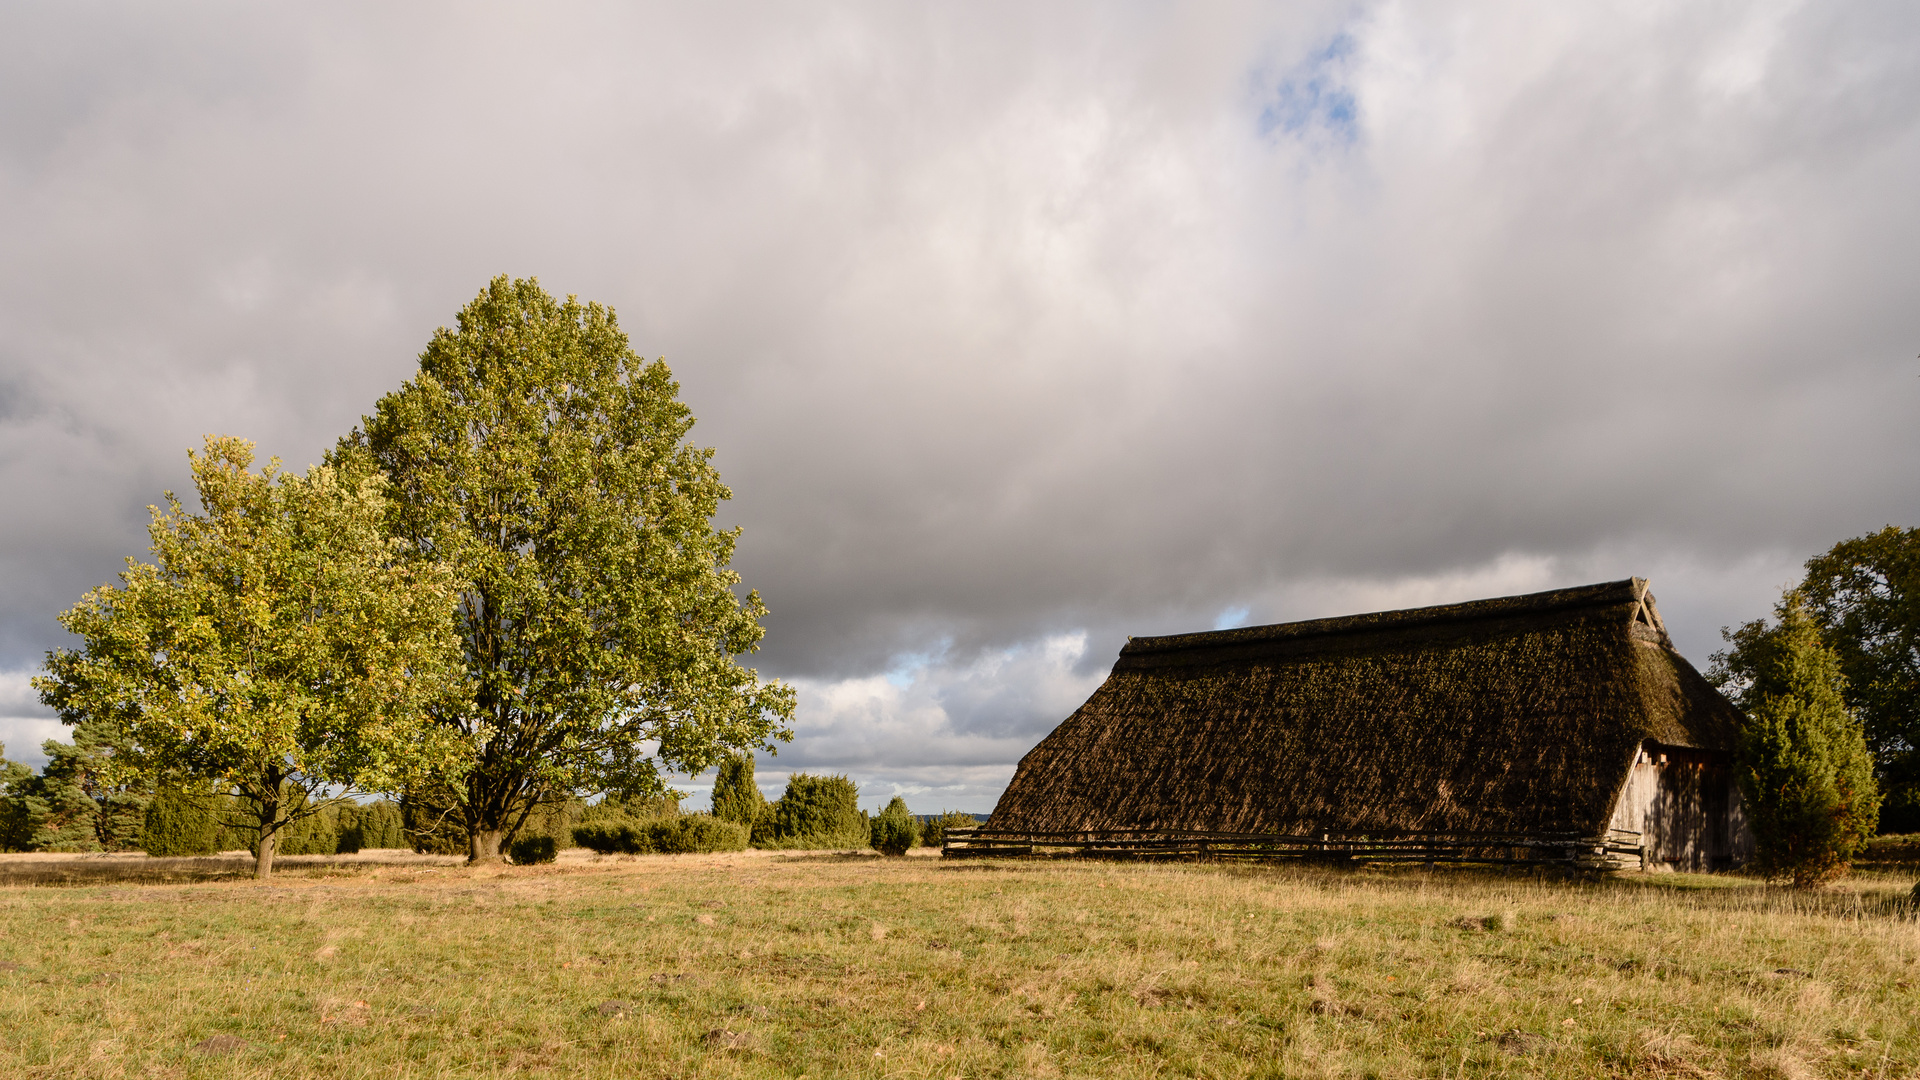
[{"x": 1614, "y": 850}]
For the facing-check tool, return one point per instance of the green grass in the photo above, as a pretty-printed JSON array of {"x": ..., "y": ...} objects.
[{"x": 773, "y": 964}]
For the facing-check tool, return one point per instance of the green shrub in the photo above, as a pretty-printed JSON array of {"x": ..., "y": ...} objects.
[
  {"x": 182, "y": 823},
  {"x": 736, "y": 797},
  {"x": 239, "y": 823},
  {"x": 373, "y": 825},
  {"x": 817, "y": 812},
  {"x": 636, "y": 808},
  {"x": 432, "y": 823},
  {"x": 555, "y": 819},
  {"x": 530, "y": 848},
  {"x": 761, "y": 831},
  {"x": 696, "y": 834},
  {"x": 611, "y": 834},
  {"x": 316, "y": 834},
  {"x": 933, "y": 830},
  {"x": 625, "y": 824},
  {"x": 894, "y": 831}
]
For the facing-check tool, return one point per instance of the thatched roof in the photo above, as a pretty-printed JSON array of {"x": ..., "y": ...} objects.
[{"x": 1516, "y": 714}]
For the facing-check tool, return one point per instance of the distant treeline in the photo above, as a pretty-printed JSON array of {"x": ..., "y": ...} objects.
[{"x": 57, "y": 810}]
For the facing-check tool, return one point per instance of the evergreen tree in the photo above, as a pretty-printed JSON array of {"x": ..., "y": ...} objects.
[
  {"x": 1865, "y": 592},
  {"x": 736, "y": 797},
  {"x": 1802, "y": 763},
  {"x": 71, "y": 805},
  {"x": 933, "y": 831},
  {"x": 16, "y": 823},
  {"x": 818, "y": 812},
  {"x": 378, "y": 825},
  {"x": 894, "y": 830},
  {"x": 182, "y": 823}
]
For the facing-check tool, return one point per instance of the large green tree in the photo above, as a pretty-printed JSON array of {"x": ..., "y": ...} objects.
[
  {"x": 548, "y": 463},
  {"x": 1866, "y": 594},
  {"x": 279, "y": 644},
  {"x": 1802, "y": 763}
]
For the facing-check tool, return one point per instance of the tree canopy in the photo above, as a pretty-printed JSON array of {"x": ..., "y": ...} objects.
[
  {"x": 1865, "y": 592},
  {"x": 277, "y": 644},
  {"x": 536, "y": 453}
]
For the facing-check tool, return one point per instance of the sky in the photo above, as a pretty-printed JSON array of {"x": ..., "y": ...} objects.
[{"x": 1017, "y": 328}]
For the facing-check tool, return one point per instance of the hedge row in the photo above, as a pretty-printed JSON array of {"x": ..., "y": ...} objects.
[
  {"x": 684, "y": 835},
  {"x": 933, "y": 828}
]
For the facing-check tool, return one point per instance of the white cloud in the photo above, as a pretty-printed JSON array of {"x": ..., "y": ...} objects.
[
  {"x": 24, "y": 722},
  {"x": 1011, "y": 322},
  {"x": 943, "y": 731}
]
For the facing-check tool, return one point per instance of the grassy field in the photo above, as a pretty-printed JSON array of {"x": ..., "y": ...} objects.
[{"x": 788, "y": 964}]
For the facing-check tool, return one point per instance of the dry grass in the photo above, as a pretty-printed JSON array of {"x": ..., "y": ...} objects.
[{"x": 785, "y": 964}]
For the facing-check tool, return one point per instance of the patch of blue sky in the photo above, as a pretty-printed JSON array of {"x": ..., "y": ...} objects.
[
  {"x": 905, "y": 669},
  {"x": 1314, "y": 99},
  {"x": 1231, "y": 617}
]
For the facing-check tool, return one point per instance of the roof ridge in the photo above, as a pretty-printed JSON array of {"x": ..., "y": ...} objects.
[{"x": 1602, "y": 594}]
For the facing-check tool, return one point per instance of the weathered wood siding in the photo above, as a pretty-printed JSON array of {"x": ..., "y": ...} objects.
[{"x": 1685, "y": 803}]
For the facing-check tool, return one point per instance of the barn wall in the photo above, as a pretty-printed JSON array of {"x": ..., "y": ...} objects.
[{"x": 1686, "y": 806}]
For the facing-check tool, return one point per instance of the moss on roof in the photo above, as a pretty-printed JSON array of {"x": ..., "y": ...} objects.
[{"x": 1514, "y": 714}]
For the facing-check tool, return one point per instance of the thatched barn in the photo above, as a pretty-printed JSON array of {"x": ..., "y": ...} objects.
[{"x": 1564, "y": 712}]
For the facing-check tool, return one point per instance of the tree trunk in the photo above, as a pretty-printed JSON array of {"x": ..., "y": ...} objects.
[
  {"x": 269, "y": 835},
  {"x": 483, "y": 845}
]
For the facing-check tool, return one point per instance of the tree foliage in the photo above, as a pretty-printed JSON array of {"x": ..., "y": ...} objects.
[
  {"x": 540, "y": 456},
  {"x": 1865, "y": 593},
  {"x": 817, "y": 812},
  {"x": 15, "y": 824},
  {"x": 894, "y": 832},
  {"x": 686, "y": 834},
  {"x": 736, "y": 797},
  {"x": 276, "y": 645},
  {"x": 183, "y": 822},
  {"x": 933, "y": 831},
  {"x": 1803, "y": 765},
  {"x": 70, "y": 805}
]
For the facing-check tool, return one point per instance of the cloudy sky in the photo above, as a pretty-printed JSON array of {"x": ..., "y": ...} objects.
[{"x": 1018, "y": 328}]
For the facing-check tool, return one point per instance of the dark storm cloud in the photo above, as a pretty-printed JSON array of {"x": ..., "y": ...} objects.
[{"x": 1012, "y": 327}]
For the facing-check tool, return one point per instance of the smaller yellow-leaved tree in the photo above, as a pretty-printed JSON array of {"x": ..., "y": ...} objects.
[{"x": 277, "y": 644}]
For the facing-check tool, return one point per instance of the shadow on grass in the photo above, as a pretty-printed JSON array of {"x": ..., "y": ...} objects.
[
  {"x": 124, "y": 871},
  {"x": 1867, "y": 894},
  {"x": 140, "y": 870}
]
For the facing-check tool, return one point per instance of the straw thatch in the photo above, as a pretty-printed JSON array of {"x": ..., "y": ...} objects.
[{"x": 1521, "y": 714}]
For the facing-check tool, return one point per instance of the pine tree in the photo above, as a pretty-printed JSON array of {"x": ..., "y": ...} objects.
[
  {"x": 16, "y": 823},
  {"x": 71, "y": 805},
  {"x": 1803, "y": 763}
]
